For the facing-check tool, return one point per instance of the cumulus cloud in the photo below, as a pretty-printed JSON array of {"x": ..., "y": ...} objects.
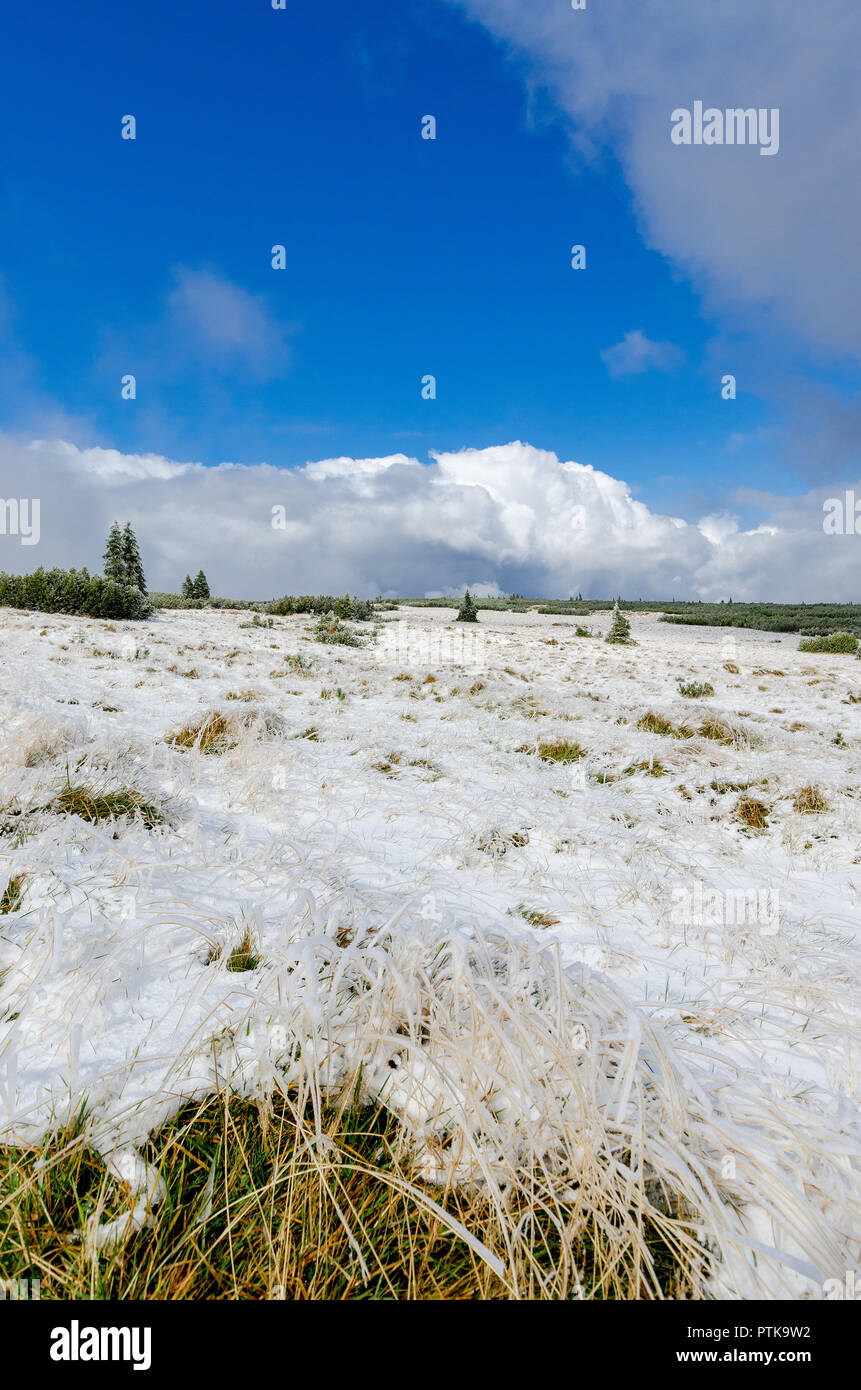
[
  {"x": 636, "y": 354},
  {"x": 503, "y": 519}
]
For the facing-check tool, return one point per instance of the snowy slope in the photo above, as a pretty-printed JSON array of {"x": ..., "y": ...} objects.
[{"x": 414, "y": 809}]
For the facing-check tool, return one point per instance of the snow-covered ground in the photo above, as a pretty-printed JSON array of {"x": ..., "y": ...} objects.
[{"x": 395, "y": 794}]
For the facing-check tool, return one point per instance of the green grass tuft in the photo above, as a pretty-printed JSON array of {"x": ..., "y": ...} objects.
[
  {"x": 13, "y": 894},
  {"x": 94, "y": 806},
  {"x": 561, "y": 751}
]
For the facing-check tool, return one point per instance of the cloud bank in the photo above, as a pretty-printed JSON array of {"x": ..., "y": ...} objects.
[{"x": 503, "y": 519}]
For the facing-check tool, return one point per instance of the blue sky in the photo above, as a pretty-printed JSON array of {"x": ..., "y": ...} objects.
[{"x": 404, "y": 256}]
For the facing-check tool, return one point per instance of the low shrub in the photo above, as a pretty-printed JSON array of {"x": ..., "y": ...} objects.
[
  {"x": 332, "y": 631},
  {"x": 834, "y": 642}
]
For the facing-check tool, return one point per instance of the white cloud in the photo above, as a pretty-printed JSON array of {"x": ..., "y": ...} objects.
[
  {"x": 108, "y": 464},
  {"x": 779, "y": 233},
  {"x": 219, "y": 320},
  {"x": 636, "y": 354},
  {"x": 503, "y": 519}
]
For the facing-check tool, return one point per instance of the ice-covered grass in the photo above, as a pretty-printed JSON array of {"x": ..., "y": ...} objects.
[{"x": 609, "y": 1015}]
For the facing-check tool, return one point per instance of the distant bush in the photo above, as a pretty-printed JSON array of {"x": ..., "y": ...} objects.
[
  {"x": 332, "y": 631},
  {"x": 160, "y": 600},
  {"x": 836, "y": 642},
  {"x": 167, "y": 600},
  {"x": 73, "y": 591},
  {"x": 360, "y": 610},
  {"x": 304, "y": 603},
  {"x": 808, "y": 619}
]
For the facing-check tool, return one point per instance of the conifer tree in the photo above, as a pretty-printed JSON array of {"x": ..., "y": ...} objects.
[
  {"x": 200, "y": 587},
  {"x": 114, "y": 556},
  {"x": 621, "y": 629},
  {"x": 187, "y": 587},
  {"x": 467, "y": 613},
  {"x": 132, "y": 564}
]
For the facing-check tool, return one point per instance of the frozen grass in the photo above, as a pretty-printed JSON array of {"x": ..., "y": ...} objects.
[
  {"x": 214, "y": 733},
  {"x": 599, "y": 1195},
  {"x": 244, "y": 956},
  {"x": 218, "y": 733},
  {"x": 809, "y": 800},
  {"x": 13, "y": 894},
  {"x": 267, "y": 1203},
  {"x": 652, "y": 723},
  {"x": 561, "y": 751},
  {"x": 752, "y": 813},
  {"x": 94, "y": 805}
]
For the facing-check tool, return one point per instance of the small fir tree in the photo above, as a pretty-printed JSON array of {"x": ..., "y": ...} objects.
[
  {"x": 200, "y": 587},
  {"x": 114, "y": 556},
  {"x": 132, "y": 563},
  {"x": 468, "y": 613},
  {"x": 188, "y": 587},
  {"x": 621, "y": 628}
]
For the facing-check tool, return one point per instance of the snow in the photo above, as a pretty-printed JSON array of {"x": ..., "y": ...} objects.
[{"x": 383, "y": 868}]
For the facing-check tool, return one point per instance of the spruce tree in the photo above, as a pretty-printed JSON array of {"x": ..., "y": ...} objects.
[
  {"x": 200, "y": 588},
  {"x": 114, "y": 556},
  {"x": 467, "y": 613},
  {"x": 132, "y": 564},
  {"x": 187, "y": 587},
  {"x": 621, "y": 629}
]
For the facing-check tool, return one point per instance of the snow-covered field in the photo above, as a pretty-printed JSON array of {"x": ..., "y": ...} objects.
[{"x": 378, "y": 805}]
